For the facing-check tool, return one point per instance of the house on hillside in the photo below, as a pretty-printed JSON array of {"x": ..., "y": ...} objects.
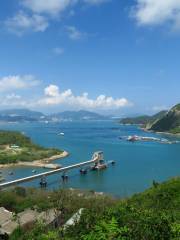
[{"x": 9, "y": 221}]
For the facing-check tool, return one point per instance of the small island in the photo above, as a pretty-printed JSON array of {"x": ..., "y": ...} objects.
[{"x": 18, "y": 149}]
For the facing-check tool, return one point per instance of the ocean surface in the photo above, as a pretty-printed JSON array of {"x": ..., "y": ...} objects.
[{"x": 137, "y": 164}]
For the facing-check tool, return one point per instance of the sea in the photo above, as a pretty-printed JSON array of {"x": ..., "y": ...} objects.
[{"x": 137, "y": 164}]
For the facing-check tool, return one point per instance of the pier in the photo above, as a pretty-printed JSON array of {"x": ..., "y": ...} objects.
[{"x": 97, "y": 159}]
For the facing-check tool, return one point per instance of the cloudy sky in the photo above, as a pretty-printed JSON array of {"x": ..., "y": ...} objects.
[{"x": 120, "y": 56}]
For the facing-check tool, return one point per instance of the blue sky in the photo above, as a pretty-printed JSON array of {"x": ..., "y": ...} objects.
[{"x": 110, "y": 56}]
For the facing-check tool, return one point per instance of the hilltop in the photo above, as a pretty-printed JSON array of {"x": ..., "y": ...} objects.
[{"x": 168, "y": 123}]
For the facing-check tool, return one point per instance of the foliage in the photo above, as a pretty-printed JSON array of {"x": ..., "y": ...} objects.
[
  {"x": 27, "y": 151},
  {"x": 170, "y": 122},
  {"x": 143, "y": 120},
  {"x": 153, "y": 215}
]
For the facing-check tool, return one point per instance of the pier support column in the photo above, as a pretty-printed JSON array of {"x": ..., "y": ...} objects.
[
  {"x": 43, "y": 182},
  {"x": 64, "y": 177},
  {"x": 83, "y": 171}
]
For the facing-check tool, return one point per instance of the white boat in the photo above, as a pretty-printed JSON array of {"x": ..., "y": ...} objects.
[{"x": 61, "y": 134}]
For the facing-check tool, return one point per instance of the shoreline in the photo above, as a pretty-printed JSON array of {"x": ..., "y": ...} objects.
[
  {"x": 37, "y": 163},
  {"x": 166, "y": 133}
]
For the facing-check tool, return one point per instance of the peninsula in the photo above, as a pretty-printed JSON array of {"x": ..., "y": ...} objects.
[
  {"x": 164, "y": 121},
  {"x": 18, "y": 149}
]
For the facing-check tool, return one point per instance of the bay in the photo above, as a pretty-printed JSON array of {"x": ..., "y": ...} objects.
[{"x": 137, "y": 164}]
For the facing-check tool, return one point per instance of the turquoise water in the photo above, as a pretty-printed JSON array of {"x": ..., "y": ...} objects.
[{"x": 137, "y": 164}]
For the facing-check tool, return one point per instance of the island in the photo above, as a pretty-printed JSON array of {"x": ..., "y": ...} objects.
[{"x": 18, "y": 149}]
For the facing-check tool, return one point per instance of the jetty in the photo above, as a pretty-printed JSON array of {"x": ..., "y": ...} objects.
[{"x": 96, "y": 160}]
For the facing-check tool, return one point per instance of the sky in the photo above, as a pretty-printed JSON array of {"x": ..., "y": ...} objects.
[{"x": 107, "y": 56}]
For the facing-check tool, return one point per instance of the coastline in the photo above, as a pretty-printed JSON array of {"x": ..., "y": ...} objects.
[
  {"x": 37, "y": 163},
  {"x": 166, "y": 133}
]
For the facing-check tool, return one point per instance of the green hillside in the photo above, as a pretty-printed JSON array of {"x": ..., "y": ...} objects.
[
  {"x": 15, "y": 147},
  {"x": 151, "y": 215},
  {"x": 169, "y": 123},
  {"x": 143, "y": 120}
]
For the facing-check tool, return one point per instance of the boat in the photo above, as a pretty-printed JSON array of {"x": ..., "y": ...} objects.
[
  {"x": 100, "y": 166},
  {"x": 10, "y": 173},
  {"x": 113, "y": 162},
  {"x": 61, "y": 134},
  {"x": 34, "y": 171},
  {"x": 132, "y": 138}
]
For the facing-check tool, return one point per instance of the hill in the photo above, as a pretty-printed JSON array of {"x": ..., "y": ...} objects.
[
  {"x": 26, "y": 115},
  {"x": 77, "y": 116},
  {"x": 16, "y": 147},
  {"x": 168, "y": 123},
  {"x": 144, "y": 119},
  {"x": 20, "y": 115},
  {"x": 153, "y": 214}
]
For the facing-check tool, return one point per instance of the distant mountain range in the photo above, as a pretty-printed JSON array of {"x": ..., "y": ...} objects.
[
  {"x": 26, "y": 115},
  {"x": 164, "y": 121},
  {"x": 77, "y": 116}
]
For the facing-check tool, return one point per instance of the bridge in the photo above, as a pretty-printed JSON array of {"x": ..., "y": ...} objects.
[{"x": 97, "y": 158}]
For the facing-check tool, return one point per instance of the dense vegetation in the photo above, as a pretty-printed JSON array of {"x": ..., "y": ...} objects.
[
  {"x": 152, "y": 215},
  {"x": 170, "y": 122},
  {"x": 143, "y": 120},
  {"x": 161, "y": 122},
  {"x": 26, "y": 151}
]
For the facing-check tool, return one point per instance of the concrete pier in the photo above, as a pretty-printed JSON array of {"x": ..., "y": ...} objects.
[{"x": 97, "y": 156}]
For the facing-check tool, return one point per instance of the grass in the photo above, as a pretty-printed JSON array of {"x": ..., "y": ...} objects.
[
  {"x": 27, "y": 150},
  {"x": 153, "y": 214}
]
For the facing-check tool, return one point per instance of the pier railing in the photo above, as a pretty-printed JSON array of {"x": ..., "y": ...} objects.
[{"x": 97, "y": 156}]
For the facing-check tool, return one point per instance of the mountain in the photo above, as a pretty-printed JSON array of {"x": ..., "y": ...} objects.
[
  {"x": 144, "y": 119},
  {"x": 77, "y": 116},
  {"x": 170, "y": 122},
  {"x": 26, "y": 115},
  {"x": 20, "y": 115}
]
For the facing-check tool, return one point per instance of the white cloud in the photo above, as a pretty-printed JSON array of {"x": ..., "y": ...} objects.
[
  {"x": 13, "y": 96},
  {"x": 55, "y": 7},
  {"x": 13, "y": 100},
  {"x": 52, "y": 91},
  {"x": 53, "y": 97},
  {"x": 156, "y": 12},
  {"x": 52, "y": 7},
  {"x": 35, "y": 15},
  {"x": 17, "y": 82},
  {"x": 95, "y": 2},
  {"x": 22, "y": 22},
  {"x": 74, "y": 33},
  {"x": 58, "y": 51}
]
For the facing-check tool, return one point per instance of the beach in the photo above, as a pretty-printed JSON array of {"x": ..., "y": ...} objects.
[{"x": 37, "y": 163}]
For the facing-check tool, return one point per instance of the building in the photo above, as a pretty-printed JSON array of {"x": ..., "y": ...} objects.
[{"x": 9, "y": 221}]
